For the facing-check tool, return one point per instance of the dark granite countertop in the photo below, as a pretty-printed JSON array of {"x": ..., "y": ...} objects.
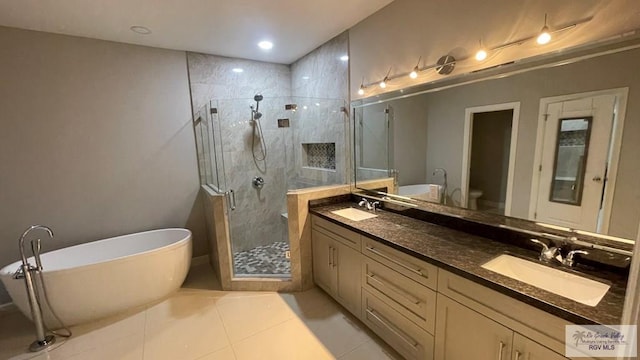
[{"x": 463, "y": 254}]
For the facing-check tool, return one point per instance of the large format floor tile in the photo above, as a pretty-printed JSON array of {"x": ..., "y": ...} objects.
[
  {"x": 289, "y": 340},
  {"x": 200, "y": 322},
  {"x": 185, "y": 326}
]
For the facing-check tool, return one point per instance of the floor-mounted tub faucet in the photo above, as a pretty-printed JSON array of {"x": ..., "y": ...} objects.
[
  {"x": 43, "y": 340},
  {"x": 444, "y": 184}
]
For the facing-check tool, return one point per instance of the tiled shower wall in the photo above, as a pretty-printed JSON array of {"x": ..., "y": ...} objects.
[{"x": 320, "y": 74}]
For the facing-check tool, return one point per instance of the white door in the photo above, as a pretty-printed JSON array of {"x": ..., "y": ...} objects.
[{"x": 574, "y": 161}]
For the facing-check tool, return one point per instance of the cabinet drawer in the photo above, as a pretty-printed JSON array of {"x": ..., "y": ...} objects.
[
  {"x": 405, "y": 337},
  {"x": 410, "y": 298},
  {"x": 418, "y": 270},
  {"x": 345, "y": 236}
]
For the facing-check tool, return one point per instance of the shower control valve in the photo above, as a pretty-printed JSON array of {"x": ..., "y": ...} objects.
[{"x": 258, "y": 182}]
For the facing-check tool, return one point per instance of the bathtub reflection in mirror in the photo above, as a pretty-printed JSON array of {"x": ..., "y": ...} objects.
[{"x": 502, "y": 143}]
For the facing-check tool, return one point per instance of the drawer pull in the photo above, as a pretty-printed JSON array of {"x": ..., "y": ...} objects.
[
  {"x": 500, "y": 350},
  {"x": 517, "y": 355},
  {"x": 393, "y": 329},
  {"x": 397, "y": 262},
  {"x": 394, "y": 288}
]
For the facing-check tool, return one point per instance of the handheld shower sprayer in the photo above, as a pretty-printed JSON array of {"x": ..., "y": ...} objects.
[{"x": 257, "y": 130}]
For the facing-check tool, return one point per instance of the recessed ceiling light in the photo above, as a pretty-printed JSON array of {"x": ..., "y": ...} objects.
[
  {"x": 265, "y": 45},
  {"x": 237, "y": 70},
  {"x": 305, "y": 78},
  {"x": 142, "y": 30},
  {"x": 344, "y": 57}
]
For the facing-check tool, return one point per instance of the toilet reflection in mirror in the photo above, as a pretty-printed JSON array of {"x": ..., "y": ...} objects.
[{"x": 490, "y": 137}]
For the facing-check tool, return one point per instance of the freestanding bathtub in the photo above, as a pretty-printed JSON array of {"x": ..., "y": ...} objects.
[{"x": 101, "y": 278}]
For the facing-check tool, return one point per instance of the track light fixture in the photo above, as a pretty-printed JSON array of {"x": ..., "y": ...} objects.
[
  {"x": 544, "y": 36},
  {"x": 446, "y": 64}
]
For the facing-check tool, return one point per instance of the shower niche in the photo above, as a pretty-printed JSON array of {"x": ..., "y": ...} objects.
[
  {"x": 319, "y": 155},
  {"x": 239, "y": 140}
]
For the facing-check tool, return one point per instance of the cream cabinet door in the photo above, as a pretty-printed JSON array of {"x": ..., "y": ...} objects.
[
  {"x": 463, "y": 334},
  {"x": 324, "y": 273},
  {"x": 349, "y": 286},
  {"x": 527, "y": 349}
]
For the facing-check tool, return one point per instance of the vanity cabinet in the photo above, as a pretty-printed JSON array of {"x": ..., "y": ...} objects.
[
  {"x": 461, "y": 332},
  {"x": 425, "y": 312},
  {"x": 461, "y": 329},
  {"x": 527, "y": 349},
  {"x": 336, "y": 263}
]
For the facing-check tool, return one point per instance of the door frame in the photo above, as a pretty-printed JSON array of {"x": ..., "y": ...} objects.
[
  {"x": 467, "y": 146},
  {"x": 615, "y": 142}
]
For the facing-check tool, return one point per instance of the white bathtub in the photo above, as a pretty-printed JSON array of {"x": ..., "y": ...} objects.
[
  {"x": 427, "y": 192},
  {"x": 97, "y": 279}
]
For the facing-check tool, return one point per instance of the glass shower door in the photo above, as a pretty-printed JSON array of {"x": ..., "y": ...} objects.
[{"x": 253, "y": 152}]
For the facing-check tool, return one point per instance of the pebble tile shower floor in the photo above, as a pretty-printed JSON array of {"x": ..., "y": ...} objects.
[{"x": 263, "y": 260}]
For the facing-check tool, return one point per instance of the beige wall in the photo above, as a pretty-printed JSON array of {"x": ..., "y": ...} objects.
[{"x": 96, "y": 141}]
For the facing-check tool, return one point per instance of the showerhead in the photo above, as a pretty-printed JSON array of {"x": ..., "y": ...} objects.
[
  {"x": 257, "y": 115},
  {"x": 258, "y": 97}
]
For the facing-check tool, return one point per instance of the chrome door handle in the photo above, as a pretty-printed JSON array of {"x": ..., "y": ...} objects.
[{"x": 231, "y": 195}]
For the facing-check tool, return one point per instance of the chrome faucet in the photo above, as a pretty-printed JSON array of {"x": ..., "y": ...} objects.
[
  {"x": 569, "y": 261},
  {"x": 43, "y": 340},
  {"x": 365, "y": 203},
  {"x": 369, "y": 205},
  {"x": 444, "y": 185},
  {"x": 547, "y": 254}
]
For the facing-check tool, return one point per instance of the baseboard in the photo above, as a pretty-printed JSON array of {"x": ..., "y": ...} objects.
[{"x": 199, "y": 260}]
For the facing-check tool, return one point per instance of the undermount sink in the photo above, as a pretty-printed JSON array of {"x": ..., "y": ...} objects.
[
  {"x": 354, "y": 214},
  {"x": 574, "y": 287}
]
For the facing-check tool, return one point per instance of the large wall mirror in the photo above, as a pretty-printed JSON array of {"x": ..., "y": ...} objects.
[{"x": 556, "y": 143}]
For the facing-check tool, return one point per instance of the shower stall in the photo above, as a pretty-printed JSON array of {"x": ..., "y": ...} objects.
[{"x": 252, "y": 151}]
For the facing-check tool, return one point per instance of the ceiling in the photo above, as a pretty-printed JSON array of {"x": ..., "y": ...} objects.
[{"x": 222, "y": 27}]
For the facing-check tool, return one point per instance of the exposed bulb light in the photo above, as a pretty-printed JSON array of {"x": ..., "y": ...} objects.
[
  {"x": 482, "y": 53},
  {"x": 416, "y": 69},
  {"x": 361, "y": 90},
  {"x": 544, "y": 36},
  {"x": 383, "y": 83},
  {"x": 344, "y": 57},
  {"x": 237, "y": 70},
  {"x": 265, "y": 45}
]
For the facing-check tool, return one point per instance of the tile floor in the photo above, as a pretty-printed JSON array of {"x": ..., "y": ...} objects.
[
  {"x": 200, "y": 322},
  {"x": 263, "y": 260}
]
